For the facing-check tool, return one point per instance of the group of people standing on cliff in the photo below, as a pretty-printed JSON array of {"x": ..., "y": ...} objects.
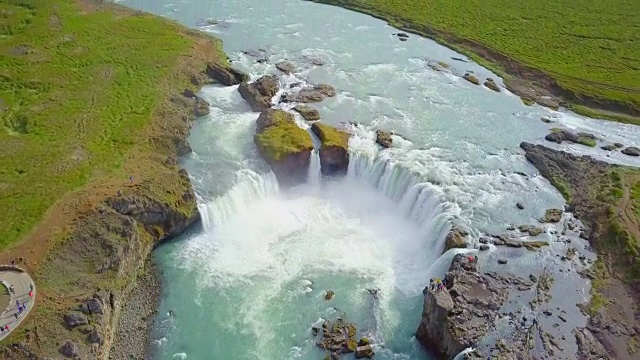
[{"x": 438, "y": 285}]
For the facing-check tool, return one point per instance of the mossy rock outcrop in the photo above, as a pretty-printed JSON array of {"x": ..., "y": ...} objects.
[
  {"x": 334, "y": 153},
  {"x": 284, "y": 146}
]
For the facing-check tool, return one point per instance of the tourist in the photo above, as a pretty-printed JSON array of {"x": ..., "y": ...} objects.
[
  {"x": 31, "y": 293},
  {"x": 6, "y": 327},
  {"x": 31, "y": 287},
  {"x": 438, "y": 283},
  {"x": 444, "y": 283},
  {"x": 16, "y": 315},
  {"x": 131, "y": 179},
  {"x": 431, "y": 285},
  {"x": 17, "y": 303}
]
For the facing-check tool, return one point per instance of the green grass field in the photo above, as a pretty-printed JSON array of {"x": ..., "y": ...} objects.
[
  {"x": 590, "y": 47},
  {"x": 77, "y": 90}
]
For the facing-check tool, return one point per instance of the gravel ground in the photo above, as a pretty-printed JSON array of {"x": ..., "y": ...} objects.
[{"x": 137, "y": 316}]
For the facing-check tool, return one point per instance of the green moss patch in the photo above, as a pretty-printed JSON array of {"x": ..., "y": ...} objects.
[
  {"x": 282, "y": 137},
  {"x": 331, "y": 136}
]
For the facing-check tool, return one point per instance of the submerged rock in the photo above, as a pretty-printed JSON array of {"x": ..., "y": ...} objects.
[
  {"x": 458, "y": 318},
  {"x": 307, "y": 112},
  {"x": 329, "y": 295},
  {"x": 471, "y": 78},
  {"x": 339, "y": 337},
  {"x": 456, "y": 238},
  {"x": 334, "y": 153},
  {"x": 284, "y": 146},
  {"x": 316, "y": 93},
  {"x": 491, "y": 85},
  {"x": 384, "y": 138},
  {"x": 631, "y": 151},
  {"x": 560, "y": 135},
  {"x": 259, "y": 93},
  {"x": 552, "y": 215},
  {"x": 286, "y": 67}
]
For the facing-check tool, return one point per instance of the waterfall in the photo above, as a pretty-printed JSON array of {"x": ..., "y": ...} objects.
[
  {"x": 249, "y": 187},
  {"x": 417, "y": 200},
  {"x": 314, "y": 175}
]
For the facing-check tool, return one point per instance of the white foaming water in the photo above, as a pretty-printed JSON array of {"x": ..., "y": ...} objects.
[
  {"x": 314, "y": 175},
  {"x": 251, "y": 283}
]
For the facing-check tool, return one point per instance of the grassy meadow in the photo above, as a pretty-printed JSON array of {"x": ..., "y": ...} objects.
[
  {"x": 591, "y": 47},
  {"x": 77, "y": 91}
]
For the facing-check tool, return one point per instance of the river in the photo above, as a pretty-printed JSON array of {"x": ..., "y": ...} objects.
[{"x": 250, "y": 283}]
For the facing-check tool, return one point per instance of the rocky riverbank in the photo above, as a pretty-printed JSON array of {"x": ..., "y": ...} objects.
[
  {"x": 96, "y": 296},
  {"x": 132, "y": 336},
  {"x": 606, "y": 198}
]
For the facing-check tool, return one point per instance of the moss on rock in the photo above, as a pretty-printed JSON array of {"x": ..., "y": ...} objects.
[
  {"x": 278, "y": 136},
  {"x": 334, "y": 153}
]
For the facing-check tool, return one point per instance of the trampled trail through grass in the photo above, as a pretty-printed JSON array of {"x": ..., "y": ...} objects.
[{"x": 76, "y": 94}]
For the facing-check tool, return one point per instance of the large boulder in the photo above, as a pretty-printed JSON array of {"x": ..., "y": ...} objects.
[
  {"x": 458, "y": 318},
  {"x": 284, "y": 146},
  {"x": 259, "y": 93},
  {"x": 316, "y": 93},
  {"x": 334, "y": 153},
  {"x": 456, "y": 238},
  {"x": 226, "y": 75},
  {"x": 471, "y": 78}
]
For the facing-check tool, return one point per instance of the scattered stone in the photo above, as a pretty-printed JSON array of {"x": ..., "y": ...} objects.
[
  {"x": 383, "y": 138},
  {"x": 552, "y": 215},
  {"x": 502, "y": 261},
  {"x": 307, "y": 112},
  {"x": 69, "y": 349},
  {"x": 631, "y": 151},
  {"x": 286, "y": 67},
  {"x": 533, "y": 278},
  {"x": 94, "y": 337},
  {"x": 259, "y": 93},
  {"x": 562, "y": 318},
  {"x": 95, "y": 306},
  {"x": 74, "y": 319},
  {"x": 491, "y": 85},
  {"x": 329, "y": 295},
  {"x": 546, "y": 120},
  {"x": 484, "y": 247},
  {"x": 609, "y": 147},
  {"x": 471, "y": 78},
  {"x": 520, "y": 206},
  {"x": 402, "y": 35},
  {"x": 531, "y": 230}
]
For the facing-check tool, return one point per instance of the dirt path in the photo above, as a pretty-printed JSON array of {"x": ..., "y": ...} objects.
[{"x": 22, "y": 286}]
